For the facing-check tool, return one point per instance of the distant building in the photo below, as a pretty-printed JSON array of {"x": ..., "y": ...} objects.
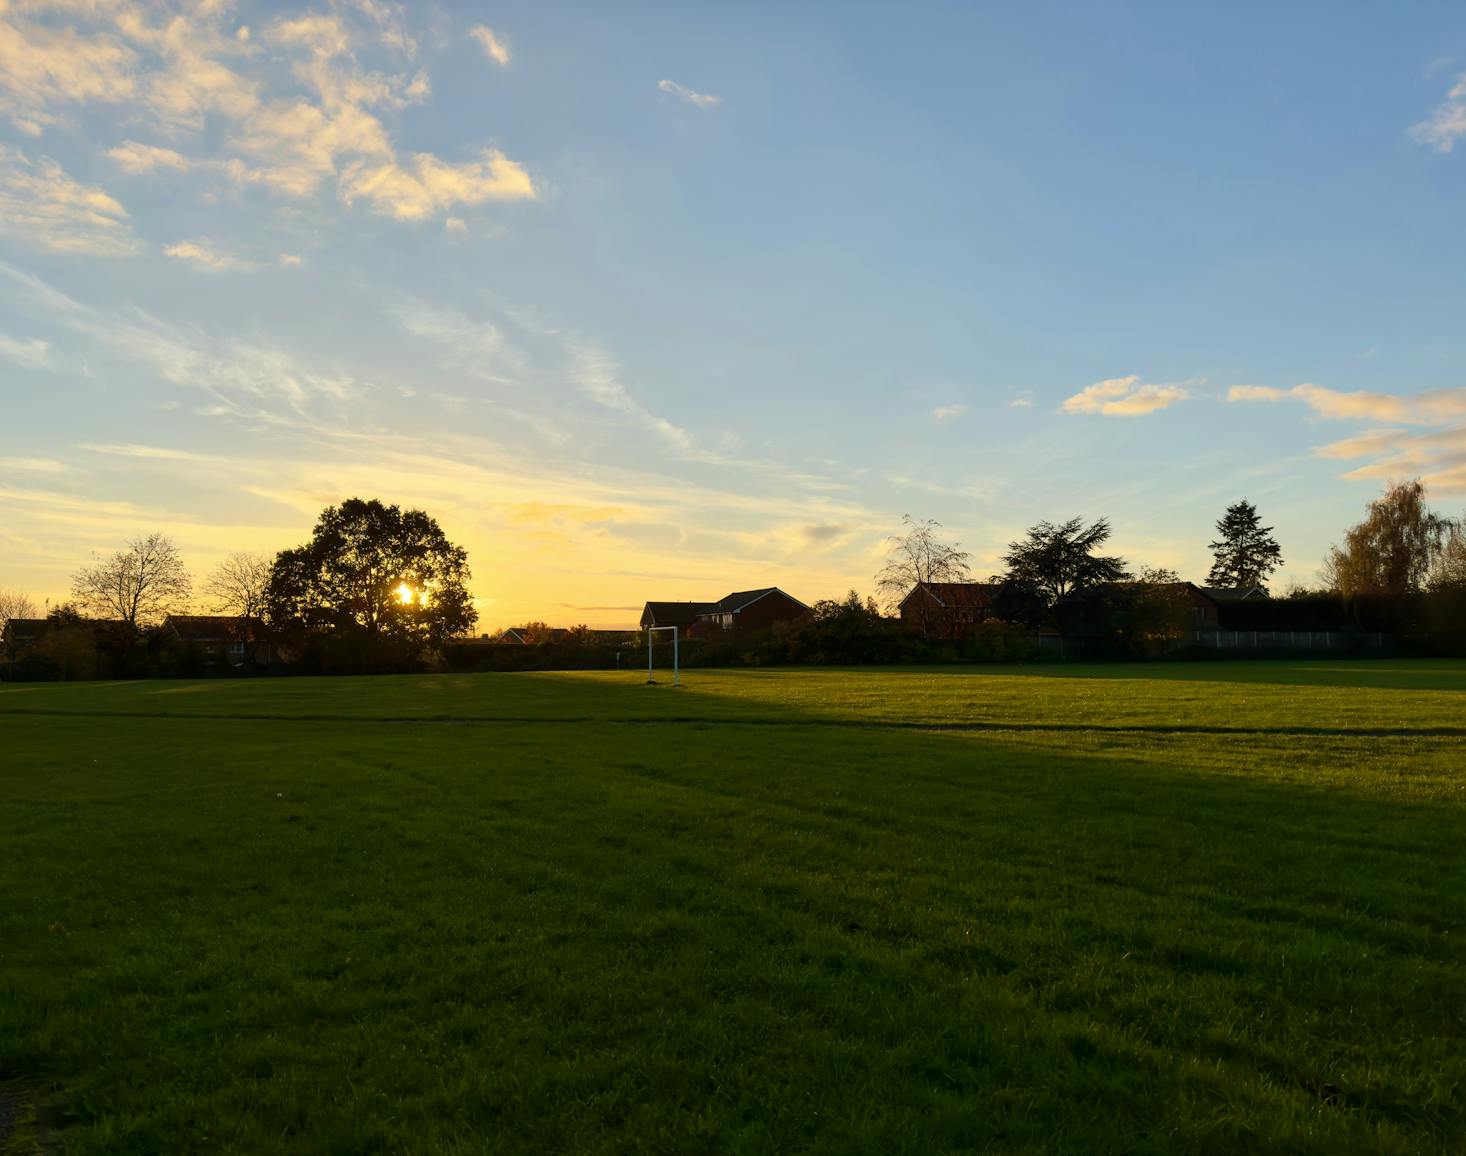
[
  {"x": 522, "y": 636},
  {"x": 1231, "y": 595},
  {"x": 740, "y": 613},
  {"x": 235, "y": 639},
  {"x": 21, "y": 633},
  {"x": 943, "y": 609}
]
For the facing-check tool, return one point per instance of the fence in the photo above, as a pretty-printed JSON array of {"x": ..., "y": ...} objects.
[{"x": 1350, "y": 642}]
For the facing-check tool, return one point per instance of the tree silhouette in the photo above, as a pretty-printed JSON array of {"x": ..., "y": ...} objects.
[
  {"x": 375, "y": 572},
  {"x": 139, "y": 584},
  {"x": 1057, "y": 561},
  {"x": 1246, "y": 552}
]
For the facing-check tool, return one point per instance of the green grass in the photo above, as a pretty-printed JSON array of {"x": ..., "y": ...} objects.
[{"x": 1183, "y": 908}]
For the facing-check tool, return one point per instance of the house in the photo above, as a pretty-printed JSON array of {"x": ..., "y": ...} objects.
[
  {"x": 21, "y": 633},
  {"x": 1098, "y": 611},
  {"x": 944, "y": 609},
  {"x": 236, "y": 639},
  {"x": 524, "y": 636},
  {"x": 1230, "y": 595},
  {"x": 741, "y": 613}
]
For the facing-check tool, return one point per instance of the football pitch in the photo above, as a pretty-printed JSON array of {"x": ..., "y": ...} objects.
[{"x": 1175, "y": 908}]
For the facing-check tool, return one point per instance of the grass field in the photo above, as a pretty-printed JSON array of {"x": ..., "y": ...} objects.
[{"x": 1184, "y": 908}]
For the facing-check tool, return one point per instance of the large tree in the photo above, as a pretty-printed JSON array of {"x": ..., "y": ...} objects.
[
  {"x": 139, "y": 584},
  {"x": 917, "y": 556},
  {"x": 1392, "y": 551},
  {"x": 1056, "y": 561},
  {"x": 375, "y": 573},
  {"x": 1245, "y": 551},
  {"x": 239, "y": 585}
]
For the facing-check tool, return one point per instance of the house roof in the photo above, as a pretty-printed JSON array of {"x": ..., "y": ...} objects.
[
  {"x": 949, "y": 594},
  {"x": 733, "y": 603},
  {"x": 215, "y": 627},
  {"x": 1232, "y": 593},
  {"x": 26, "y": 627},
  {"x": 674, "y": 613},
  {"x": 515, "y": 634}
]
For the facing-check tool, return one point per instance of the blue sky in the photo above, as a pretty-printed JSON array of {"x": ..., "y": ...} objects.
[{"x": 660, "y": 301}]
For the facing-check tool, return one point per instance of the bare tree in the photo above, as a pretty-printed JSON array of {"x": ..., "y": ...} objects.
[
  {"x": 239, "y": 585},
  {"x": 140, "y": 584},
  {"x": 14, "y": 604},
  {"x": 916, "y": 557}
]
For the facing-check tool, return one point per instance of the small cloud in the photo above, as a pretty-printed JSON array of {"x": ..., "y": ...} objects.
[
  {"x": 290, "y": 259},
  {"x": 700, "y": 99},
  {"x": 1020, "y": 403},
  {"x": 32, "y": 465},
  {"x": 132, "y": 157},
  {"x": 1123, "y": 397},
  {"x": 1255, "y": 393},
  {"x": 494, "y": 48},
  {"x": 455, "y": 225},
  {"x": 943, "y": 412},
  {"x": 427, "y": 184},
  {"x": 34, "y": 354},
  {"x": 242, "y": 33},
  {"x": 1447, "y": 123},
  {"x": 205, "y": 257}
]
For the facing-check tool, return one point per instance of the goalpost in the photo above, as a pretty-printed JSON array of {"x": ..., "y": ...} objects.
[{"x": 651, "y": 632}]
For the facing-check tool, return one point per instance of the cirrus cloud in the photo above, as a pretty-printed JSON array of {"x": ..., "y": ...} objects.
[
  {"x": 41, "y": 203},
  {"x": 682, "y": 92}
]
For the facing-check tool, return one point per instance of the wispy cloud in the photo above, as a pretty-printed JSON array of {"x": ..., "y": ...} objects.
[
  {"x": 33, "y": 354},
  {"x": 1124, "y": 397},
  {"x": 682, "y": 92},
  {"x": 595, "y": 371},
  {"x": 1428, "y": 408},
  {"x": 1438, "y": 457},
  {"x": 40, "y": 203},
  {"x": 494, "y": 48},
  {"x": 1447, "y": 122},
  {"x": 32, "y": 465},
  {"x": 205, "y": 256},
  {"x": 1255, "y": 393},
  {"x": 943, "y": 412},
  {"x": 1020, "y": 403},
  {"x": 133, "y": 157}
]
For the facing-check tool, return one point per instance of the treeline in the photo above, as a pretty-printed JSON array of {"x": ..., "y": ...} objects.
[{"x": 376, "y": 588}]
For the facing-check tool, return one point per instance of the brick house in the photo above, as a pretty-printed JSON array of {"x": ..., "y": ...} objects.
[
  {"x": 740, "y": 613},
  {"x": 945, "y": 609},
  {"x": 233, "y": 638}
]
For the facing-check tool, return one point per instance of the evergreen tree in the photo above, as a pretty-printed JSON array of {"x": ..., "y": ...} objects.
[{"x": 1246, "y": 553}]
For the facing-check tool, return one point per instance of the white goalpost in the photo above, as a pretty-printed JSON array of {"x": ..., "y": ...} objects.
[{"x": 651, "y": 632}]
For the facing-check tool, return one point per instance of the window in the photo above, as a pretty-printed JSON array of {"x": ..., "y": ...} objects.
[{"x": 237, "y": 648}]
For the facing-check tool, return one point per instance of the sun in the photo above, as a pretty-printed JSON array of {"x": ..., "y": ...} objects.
[{"x": 406, "y": 594}]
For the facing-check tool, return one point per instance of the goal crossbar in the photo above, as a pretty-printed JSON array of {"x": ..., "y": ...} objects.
[{"x": 651, "y": 632}]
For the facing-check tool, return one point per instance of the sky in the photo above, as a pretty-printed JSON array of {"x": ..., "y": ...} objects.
[{"x": 661, "y": 301}]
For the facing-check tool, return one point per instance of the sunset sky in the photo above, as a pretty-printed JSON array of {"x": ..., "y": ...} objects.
[{"x": 668, "y": 300}]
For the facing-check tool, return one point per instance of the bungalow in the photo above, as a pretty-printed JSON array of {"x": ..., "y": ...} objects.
[
  {"x": 945, "y": 609},
  {"x": 237, "y": 639},
  {"x": 740, "y": 613}
]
